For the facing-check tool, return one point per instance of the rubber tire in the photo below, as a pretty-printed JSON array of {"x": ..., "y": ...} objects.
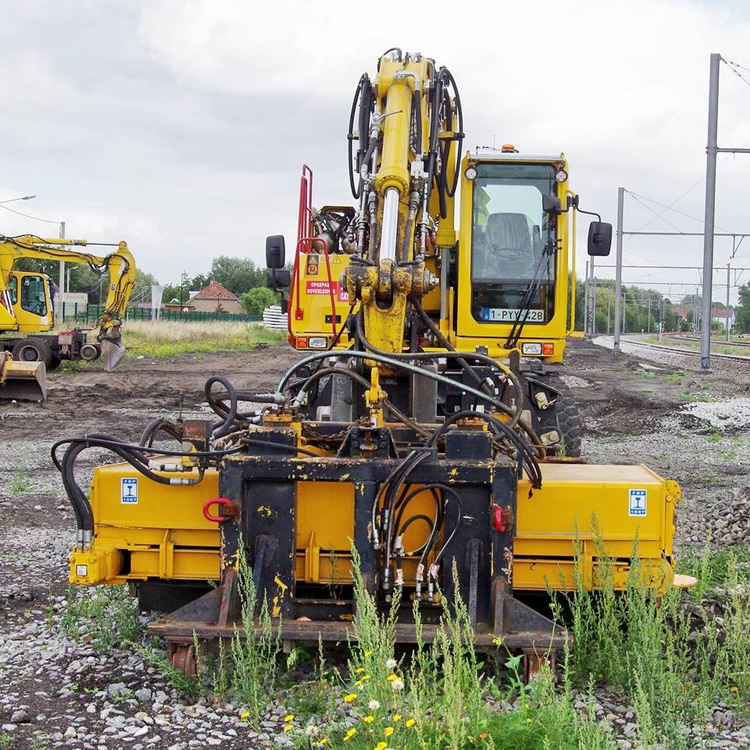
[
  {"x": 33, "y": 350},
  {"x": 568, "y": 420}
]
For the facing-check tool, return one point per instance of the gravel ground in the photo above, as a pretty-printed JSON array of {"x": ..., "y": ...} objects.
[{"x": 60, "y": 692}]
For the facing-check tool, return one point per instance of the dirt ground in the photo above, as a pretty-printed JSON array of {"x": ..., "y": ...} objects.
[{"x": 633, "y": 411}]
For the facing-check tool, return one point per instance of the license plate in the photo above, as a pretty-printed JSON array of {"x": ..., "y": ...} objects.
[{"x": 502, "y": 315}]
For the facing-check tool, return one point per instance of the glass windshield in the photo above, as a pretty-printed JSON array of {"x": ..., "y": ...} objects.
[
  {"x": 513, "y": 243},
  {"x": 33, "y": 297}
]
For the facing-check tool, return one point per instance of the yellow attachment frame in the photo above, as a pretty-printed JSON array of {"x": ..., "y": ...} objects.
[{"x": 585, "y": 520}]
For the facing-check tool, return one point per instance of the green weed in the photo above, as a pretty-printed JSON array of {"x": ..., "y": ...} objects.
[
  {"x": 20, "y": 483},
  {"x": 105, "y": 616}
]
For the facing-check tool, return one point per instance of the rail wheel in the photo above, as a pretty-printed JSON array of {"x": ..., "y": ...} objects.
[
  {"x": 182, "y": 656},
  {"x": 533, "y": 661}
]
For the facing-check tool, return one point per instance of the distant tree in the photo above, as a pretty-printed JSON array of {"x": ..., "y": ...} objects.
[
  {"x": 238, "y": 275},
  {"x": 742, "y": 319},
  {"x": 258, "y": 299}
]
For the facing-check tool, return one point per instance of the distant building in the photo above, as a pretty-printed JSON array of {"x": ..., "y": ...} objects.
[
  {"x": 723, "y": 315},
  {"x": 216, "y": 298}
]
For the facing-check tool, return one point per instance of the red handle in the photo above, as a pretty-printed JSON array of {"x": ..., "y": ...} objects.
[
  {"x": 215, "y": 501},
  {"x": 498, "y": 519}
]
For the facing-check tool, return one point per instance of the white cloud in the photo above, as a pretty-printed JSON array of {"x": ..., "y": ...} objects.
[{"x": 180, "y": 125}]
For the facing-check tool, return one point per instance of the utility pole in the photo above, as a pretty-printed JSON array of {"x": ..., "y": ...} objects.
[
  {"x": 708, "y": 226},
  {"x": 619, "y": 317},
  {"x": 648, "y": 315},
  {"x": 728, "y": 319},
  {"x": 586, "y": 302},
  {"x": 593, "y": 300},
  {"x": 62, "y": 275},
  {"x": 608, "y": 307}
]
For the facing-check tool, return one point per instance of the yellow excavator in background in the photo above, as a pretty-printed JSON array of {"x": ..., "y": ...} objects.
[
  {"x": 412, "y": 441},
  {"x": 27, "y": 317}
]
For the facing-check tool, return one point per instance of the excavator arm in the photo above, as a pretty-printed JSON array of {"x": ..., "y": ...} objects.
[{"x": 119, "y": 265}]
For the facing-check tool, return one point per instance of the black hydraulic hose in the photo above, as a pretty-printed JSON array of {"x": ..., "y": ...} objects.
[
  {"x": 225, "y": 427},
  {"x": 389, "y": 504},
  {"x": 398, "y": 364},
  {"x": 450, "y": 491},
  {"x": 502, "y": 406},
  {"x": 459, "y": 138},
  {"x": 467, "y": 368},
  {"x": 390, "y": 478},
  {"x": 357, "y": 378},
  {"x": 156, "y": 426},
  {"x": 530, "y": 461},
  {"x": 81, "y": 505},
  {"x": 404, "y": 501},
  {"x": 416, "y": 116},
  {"x": 418, "y": 517}
]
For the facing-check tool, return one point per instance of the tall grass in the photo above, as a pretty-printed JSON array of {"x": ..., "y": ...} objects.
[{"x": 160, "y": 339}]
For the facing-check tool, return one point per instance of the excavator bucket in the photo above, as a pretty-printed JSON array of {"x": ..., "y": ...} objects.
[
  {"x": 22, "y": 381},
  {"x": 112, "y": 352}
]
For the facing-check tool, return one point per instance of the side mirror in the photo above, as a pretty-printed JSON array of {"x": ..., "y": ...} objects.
[
  {"x": 278, "y": 278},
  {"x": 275, "y": 251},
  {"x": 600, "y": 238},
  {"x": 551, "y": 204}
]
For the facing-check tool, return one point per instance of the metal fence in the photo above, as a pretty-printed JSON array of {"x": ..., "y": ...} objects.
[{"x": 89, "y": 314}]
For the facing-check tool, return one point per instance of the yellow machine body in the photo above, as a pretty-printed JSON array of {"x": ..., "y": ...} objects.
[
  {"x": 318, "y": 290},
  {"x": 581, "y": 514}
]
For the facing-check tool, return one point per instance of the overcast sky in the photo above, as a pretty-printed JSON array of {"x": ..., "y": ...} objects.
[{"x": 181, "y": 125}]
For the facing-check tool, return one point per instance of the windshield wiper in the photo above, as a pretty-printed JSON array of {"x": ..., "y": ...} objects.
[{"x": 528, "y": 296}]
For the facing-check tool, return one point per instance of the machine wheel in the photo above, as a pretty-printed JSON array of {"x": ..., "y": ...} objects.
[
  {"x": 569, "y": 421},
  {"x": 33, "y": 350},
  {"x": 182, "y": 657},
  {"x": 55, "y": 362}
]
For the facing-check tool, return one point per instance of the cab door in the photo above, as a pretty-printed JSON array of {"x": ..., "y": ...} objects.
[{"x": 32, "y": 302}]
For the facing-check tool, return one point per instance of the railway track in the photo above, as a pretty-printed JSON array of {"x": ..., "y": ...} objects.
[
  {"x": 686, "y": 337},
  {"x": 695, "y": 353}
]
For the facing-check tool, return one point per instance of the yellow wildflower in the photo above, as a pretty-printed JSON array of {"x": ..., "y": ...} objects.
[
  {"x": 391, "y": 677},
  {"x": 359, "y": 670},
  {"x": 244, "y": 715},
  {"x": 289, "y": 717},
  {"x": 322, "y": 741},
  {"x": 397, "y": 717},
  {"x": 484, "y": 735},
  {"x": 381, "y": 746},
  {"x": 349, "y": 734},
  {"x": 350, "y": 698},
  {"x": 368, "y": 719},
  {"x": 368, "y": 653},
  {"x": 358, "y": 683},
  {"x": 410, "y": 722},
  {"x": 388, "y": 731},
  {"x": 288, "y": 727},
  {"x": 366, "y": 677}
]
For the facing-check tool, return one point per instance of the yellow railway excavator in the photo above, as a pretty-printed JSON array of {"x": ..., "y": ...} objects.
[
  {"x": 414, "y": 432},
  {"x": 27, "y": 317}
]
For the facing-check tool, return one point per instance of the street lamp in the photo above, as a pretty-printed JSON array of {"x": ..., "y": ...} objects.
[{"x": 24, "y": 198}]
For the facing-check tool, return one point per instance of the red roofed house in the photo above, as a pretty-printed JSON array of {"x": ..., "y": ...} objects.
[{"x": 216, "y": 298}]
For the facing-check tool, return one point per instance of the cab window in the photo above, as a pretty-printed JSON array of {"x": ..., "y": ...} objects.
[{"x": 33, "y": 297}]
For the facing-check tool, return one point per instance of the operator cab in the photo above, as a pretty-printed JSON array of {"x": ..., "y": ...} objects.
[
  {"x": 514, "y": 285},
  {"x": 513, "y": 242},
  {"x": 30, "y": 296}
]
